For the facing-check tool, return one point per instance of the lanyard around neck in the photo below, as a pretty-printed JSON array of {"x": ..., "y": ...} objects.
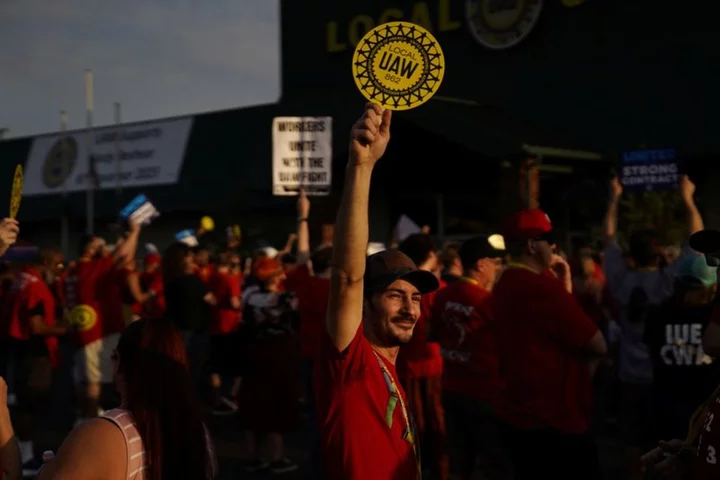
[
  {"x": 521, "y": 265},
  {"x": 396, "y": 396}
]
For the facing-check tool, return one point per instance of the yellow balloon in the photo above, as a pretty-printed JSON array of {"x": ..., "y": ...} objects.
[{"x": 207, "y": 224}]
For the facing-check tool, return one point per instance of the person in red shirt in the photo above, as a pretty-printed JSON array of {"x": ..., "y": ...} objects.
[
  {"x": 545, "y": 342},
  {"x": 373, "y": 308},
  {"x": 93, "y": 296},
  {"x": 28, "y": 318},
  {"x": 310, "y": 281},
  {"x": 463, "y": 325},
  {"x": 151, "y": 280},
  {"x": 132, "y": 294},
  {"x": 202, "y": 261},
  {"x": 224, "y": 321},
  {"x": 420, "y": 366}
]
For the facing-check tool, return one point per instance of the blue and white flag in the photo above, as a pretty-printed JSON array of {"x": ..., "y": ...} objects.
[{"x": 139, "y": 210}]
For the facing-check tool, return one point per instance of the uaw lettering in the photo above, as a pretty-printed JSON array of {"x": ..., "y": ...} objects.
[
  {"x": 650, "y": 170},
  {"x": 133, "y": 155},
  {"x": 683, "y": 346},
  {"x": 434, "y": 16},
  {"x": 302, "y": 155},
  {"x": 398, "y": 62}
]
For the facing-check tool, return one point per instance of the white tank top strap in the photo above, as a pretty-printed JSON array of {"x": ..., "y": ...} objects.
[{"x": 136, "y": 458}]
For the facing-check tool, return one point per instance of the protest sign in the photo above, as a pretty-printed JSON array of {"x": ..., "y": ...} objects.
[
  {"x": 302, "y": 155},
  {"x": 646, "y": 170}
]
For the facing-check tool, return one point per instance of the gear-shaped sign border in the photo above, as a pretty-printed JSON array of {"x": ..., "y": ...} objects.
[{"x": 416, "y": 38}]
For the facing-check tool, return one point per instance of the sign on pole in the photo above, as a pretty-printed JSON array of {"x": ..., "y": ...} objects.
[
  {"x": 142, "y": 154},
  {"x": 302, "y": 155},
  {"x": 646, "y": 170}
]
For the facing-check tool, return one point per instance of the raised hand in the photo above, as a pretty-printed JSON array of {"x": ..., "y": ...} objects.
[
  {"x": 370, "y": 135},
  {"x": 687, "y": 189},
  {"x": 303, "y": 204},
  {"x": 9, "y": 230}
]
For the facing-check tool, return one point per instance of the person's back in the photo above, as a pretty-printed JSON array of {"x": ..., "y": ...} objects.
[
  {"x": 544, "y": 382},
  {"x": 159, "y": 422},
  {"x": 684, "y": 376}
]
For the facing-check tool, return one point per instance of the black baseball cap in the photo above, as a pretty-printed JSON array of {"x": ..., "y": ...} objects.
[
  {"x": 383, "y": 268},
  {"x": 477, "y": 248}
]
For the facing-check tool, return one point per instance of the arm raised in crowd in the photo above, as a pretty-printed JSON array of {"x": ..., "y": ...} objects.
[
  {"x": 126, "y": 250},
  {"x": 9, "y": 230},
  {"x": 303, "y": 231},
  {"x": 368, "y": 140},
  {"x": 687, "y": 193}
]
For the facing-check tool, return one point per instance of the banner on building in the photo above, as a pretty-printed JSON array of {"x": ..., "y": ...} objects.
[
  {"x": 150, "y": 154},
  {"x": 302, "y": 155},
  {"x": 646, "y": 170}
]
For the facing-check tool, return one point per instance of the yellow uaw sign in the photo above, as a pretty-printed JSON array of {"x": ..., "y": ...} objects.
[
  {"x": 398, "y": 65},
  {"x": 83, "y": 317},
  {"x": 16, "y": 195}
]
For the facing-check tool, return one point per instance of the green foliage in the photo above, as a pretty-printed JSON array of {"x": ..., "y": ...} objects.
[{"x": 663, "y": 211}]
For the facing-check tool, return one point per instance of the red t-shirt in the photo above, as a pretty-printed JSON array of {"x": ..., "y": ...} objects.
[
  {"x": 205, "y": 273},
  {"x": 352, "y": 400},
  {"x": 224, "y": 318},
  {"x": 462, "y": 323},
  {"x": 420, "y": 357},
  {"x": 154, "y": 308},
  {"x": 312, "y": 295},
  {"x": 541, "y": 330},
  {"x": 28, "y": 293},
  {"x": 91, "y": 288}
]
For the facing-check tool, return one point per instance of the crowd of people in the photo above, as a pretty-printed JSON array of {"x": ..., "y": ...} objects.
[{"x": 417, "y": 361}]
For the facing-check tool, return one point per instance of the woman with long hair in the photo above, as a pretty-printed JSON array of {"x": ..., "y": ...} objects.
[{"x": 157, "y": 433}]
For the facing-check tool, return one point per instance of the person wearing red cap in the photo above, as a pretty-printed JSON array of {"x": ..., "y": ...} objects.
[
  {"x": 545, "y": 342},
  {"x": 374, "y": 305}
]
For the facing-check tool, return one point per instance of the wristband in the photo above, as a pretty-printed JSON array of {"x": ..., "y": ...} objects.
[{"x": 302, "y": 219}]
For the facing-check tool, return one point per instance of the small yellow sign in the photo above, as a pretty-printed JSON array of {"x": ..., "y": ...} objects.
[
  {"x": 207, "y": 224},
  {"x": 83, "y": 317},
  {"x": 398, "y": 65},
  {"x": 16, "y": 195}
]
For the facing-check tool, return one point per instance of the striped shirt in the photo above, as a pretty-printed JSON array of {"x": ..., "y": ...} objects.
[{"x": 136, "y": 455}]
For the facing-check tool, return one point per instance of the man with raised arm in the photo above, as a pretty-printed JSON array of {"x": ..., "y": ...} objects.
[{"x": 373, "y": 307}]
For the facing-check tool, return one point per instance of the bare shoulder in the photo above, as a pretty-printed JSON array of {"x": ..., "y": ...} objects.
[{"x": 91, "y": 450}]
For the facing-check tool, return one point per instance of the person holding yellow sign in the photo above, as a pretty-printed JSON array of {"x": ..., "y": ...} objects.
[{"x": 374, "y": 305}]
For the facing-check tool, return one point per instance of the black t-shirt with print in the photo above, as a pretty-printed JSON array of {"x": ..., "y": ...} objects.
[{"x": 683, "y": 375}]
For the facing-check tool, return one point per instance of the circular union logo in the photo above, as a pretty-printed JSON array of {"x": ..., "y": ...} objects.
[
  {"x": 60, "y": 162},
  {"x": 83, "y": 317},
  {"x": 500, "y": 24},
  {"x": 398, "y": 65}
]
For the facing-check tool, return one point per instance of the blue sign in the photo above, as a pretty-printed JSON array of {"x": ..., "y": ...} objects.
[
  {"x": 646, "y": 170},
  {"x": 140, "y": 210}
]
